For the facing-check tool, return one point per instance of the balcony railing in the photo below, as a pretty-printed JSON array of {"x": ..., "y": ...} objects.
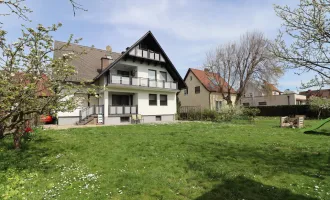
[
  {"x": 146, "y": 53},
  {"x": 92, "y": 110},
  {"x": 122, "y": 110},
  {"x": 144, "y": 82}
]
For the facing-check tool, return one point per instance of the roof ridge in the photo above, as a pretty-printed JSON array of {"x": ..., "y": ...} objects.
[{"x": 85, "y": 46}]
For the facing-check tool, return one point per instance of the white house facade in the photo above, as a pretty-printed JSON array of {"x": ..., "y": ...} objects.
[{"x": 141, "y": 81}]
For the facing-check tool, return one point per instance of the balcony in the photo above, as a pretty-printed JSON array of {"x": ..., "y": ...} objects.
[
  {"x": 141, "y": 82},
  {"x": 145, "y": 53},
  {"x": 122, "y": 110}
]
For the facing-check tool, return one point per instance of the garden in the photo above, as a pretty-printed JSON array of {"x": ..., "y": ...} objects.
[{"x": 187, "y": 160}]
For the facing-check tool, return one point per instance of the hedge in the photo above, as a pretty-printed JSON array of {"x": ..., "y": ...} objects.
[{"x": 291, "y": 110}]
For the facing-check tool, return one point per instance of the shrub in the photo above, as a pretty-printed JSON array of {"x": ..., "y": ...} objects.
[
  {"x": 193, "y": 115},
  {"x": 228, "y": 113},
  {"x": 209, "y": 115},
  {"x": 251, "y": 113}
]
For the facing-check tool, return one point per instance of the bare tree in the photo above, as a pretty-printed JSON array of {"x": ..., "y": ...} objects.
[
  {"x": 234, "y": 65},
  {"x": 308, "y": 27},
  {"x": 16, "y": 7}
]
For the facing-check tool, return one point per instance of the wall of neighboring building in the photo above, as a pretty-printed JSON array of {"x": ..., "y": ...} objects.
[
  {"x": 191, "y": 99},
  {"x": 273, "y": 100},
  {"x": 251, "y": 91},
  {"x": 214, "y": 97}
]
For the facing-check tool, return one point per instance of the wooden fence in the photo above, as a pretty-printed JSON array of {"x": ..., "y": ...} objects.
[{"x": 186, "y": 111}]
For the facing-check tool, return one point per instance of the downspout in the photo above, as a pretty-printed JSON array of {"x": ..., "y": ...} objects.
[{"x": 210, "y": 100}]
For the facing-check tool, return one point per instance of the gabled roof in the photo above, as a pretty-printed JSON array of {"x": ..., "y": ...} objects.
[
  {"x": 272, "y": 87},
  {"x": 206, "y": 79},
  {"x": 170, "y": 68},
  {"x": 87, "y": 65}
]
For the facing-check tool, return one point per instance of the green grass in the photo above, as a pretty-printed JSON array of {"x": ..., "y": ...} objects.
[{"x": 176, "y": 161}]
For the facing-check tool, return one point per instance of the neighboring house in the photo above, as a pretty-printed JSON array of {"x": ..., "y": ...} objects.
[
  {"x": 203, "y": 91},
  {"x": 141, "y": 80},
  {"x": 325, "y": 93},
  {"x": 269, "y": 95}
]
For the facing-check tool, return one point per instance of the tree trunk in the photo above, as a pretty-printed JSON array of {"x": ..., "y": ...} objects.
[
  {"x": 238, "y": 98},
  {"x": 229, "y": 103},
  {"x": 318, "y": 116},
  {"x": 2, "y": 132},
  {"x": 17, "y": 139}
]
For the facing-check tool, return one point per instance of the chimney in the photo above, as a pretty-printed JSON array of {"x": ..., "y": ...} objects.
[
  {"x": 105, "y": 62},
  {"x": 206, "y": 70}
]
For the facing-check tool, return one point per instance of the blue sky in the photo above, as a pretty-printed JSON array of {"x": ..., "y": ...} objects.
[{"x": 186, "y": 29}]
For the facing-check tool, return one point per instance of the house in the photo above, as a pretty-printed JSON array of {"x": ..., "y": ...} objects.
[
  {"x": 203, "y": 91},
  {"x": 141, "y": 80},
  {"x": 325, "y": 93},
  {"x": 268, "y": 94}
]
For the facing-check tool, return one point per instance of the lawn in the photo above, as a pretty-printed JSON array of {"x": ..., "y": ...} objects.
[{"x": 175, "y": 161}]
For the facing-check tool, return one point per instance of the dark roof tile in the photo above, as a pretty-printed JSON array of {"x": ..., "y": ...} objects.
[{"x": 88, "y": 65}]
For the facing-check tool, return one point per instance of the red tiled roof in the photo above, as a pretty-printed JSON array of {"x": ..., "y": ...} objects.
[
  {"x": 206, "y": 79},
  {"x": 325, "y": 93},
  {"x": 272, "y": 87}
]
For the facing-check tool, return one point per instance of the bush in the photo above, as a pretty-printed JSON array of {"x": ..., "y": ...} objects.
[
  {"x": 251, "y": 113},
  {"x": 209, "y": 115},
  {"x": 228, "y": 113},
  {"x": 194, "y": 115}
]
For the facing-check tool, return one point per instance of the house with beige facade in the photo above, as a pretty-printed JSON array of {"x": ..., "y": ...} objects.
[
  {"x": 268, "y": 94},
  {"x": 203, "y": 91},
  {"x": 138, "y": 82}
]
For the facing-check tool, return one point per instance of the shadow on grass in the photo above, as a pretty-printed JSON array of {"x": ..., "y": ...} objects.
[
  {"x": 321, "y": 132},
  {"x": 29, "y": 156},
  {"x": 243, "y": 188}
]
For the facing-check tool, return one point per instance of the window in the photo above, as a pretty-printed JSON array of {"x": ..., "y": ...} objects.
[
  {"x": 264, "y": 103},
  {"x": 152, "y": 74},
  {"x": 190, "y": 77},
  {"x": 158, "y": 118},
  {"x": 163, "y": 100},
  {"x": 163, "y": 76},
  {"x": 197, "y": 89},
  {"x": 124, "y": 119},
  {"x": 218, "y": 105},
  {"x": 185, "y": 92},
  {"x": 246, "y": 104},
  {"x": 153, "y": 99},
  {"x": 120, "y": 100}
]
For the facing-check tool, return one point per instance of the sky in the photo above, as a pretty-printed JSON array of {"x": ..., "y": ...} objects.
[{"x": 186, "y": 29}]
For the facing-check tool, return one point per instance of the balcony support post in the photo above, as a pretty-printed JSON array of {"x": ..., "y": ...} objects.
[{"x": 106, "y": 103}]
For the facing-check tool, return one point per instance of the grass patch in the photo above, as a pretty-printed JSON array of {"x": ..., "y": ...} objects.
[{"x": 196, "y": 160}]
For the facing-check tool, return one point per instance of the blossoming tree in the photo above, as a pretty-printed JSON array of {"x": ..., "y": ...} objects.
[
  {"x": 319, "y": 104},
  {"x": 31, "y": 81}
]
